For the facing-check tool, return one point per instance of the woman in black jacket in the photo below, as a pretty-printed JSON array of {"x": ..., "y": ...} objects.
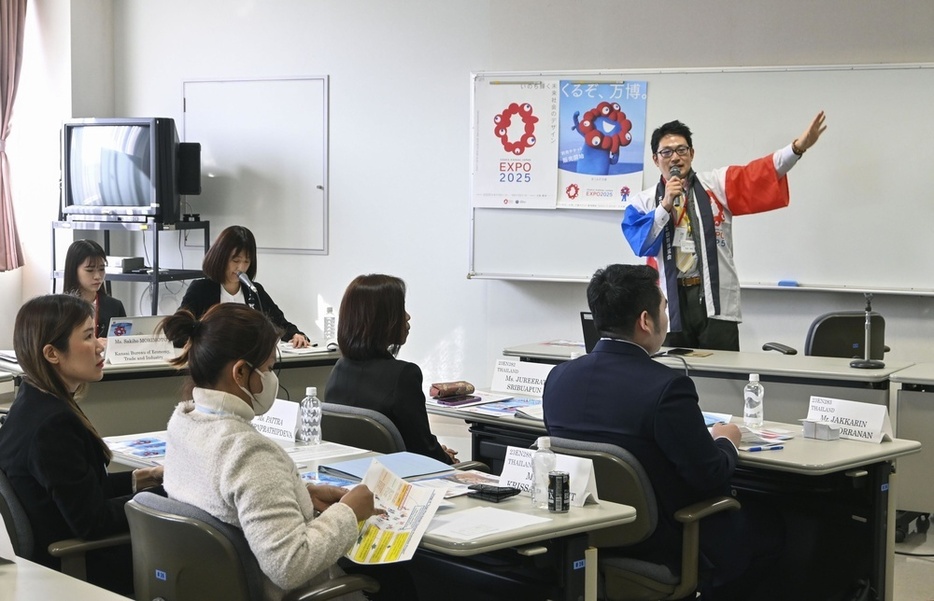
[
  {"x": 85, "y": 264},
  {"x": 232, "y": 254},
  {"x": 51, "y": 453},
  {"x": 371, "y": 327}
]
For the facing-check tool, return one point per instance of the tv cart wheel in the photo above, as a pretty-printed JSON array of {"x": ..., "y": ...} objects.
[{"x": 923, "y": 523}]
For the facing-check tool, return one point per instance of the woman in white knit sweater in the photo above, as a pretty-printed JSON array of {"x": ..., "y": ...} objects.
[{"x": 221, "y": 464}]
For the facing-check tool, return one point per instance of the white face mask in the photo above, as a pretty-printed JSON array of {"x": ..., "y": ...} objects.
[{"x": 263, "y": 400}]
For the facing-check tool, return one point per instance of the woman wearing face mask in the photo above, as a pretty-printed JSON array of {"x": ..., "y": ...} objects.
[
  {"x": 236, "y": 474},
  {"x": 52, "y": 454},
  {"x": 233, "y": 253},
  {"x": 85, "y": 265}
]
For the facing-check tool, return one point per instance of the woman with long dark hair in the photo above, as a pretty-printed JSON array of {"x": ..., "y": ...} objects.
[
  {"x": 372, "y": 326},
  {"x": 51, "y": 453},
  {"x": 85, "y": 266}
]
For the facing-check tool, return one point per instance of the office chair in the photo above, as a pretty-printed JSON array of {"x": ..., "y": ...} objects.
[
  {"x": 622, "y": 479},
  {"x": 370, "y": 430},
  {"x": 840, "y": 334},
  {"x": 71, "y": 552},
  {"x": 181, "y": 553}
]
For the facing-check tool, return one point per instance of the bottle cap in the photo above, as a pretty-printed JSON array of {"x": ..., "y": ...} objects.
[
  {"x": 543, "y": 442},
  {"x": 329, "y": 310},
  {"x": 311, "y": 391},
  {"x": 753, "y": 377}
]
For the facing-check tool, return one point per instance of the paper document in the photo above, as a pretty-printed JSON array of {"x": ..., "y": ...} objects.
[
  {"x": 506, "y": 407},
  {"x": 138, "y": 449},
  {"x": 457, "y": 482},
  {"x": 286, "y": 347},
  {"x": 395, "y": 535},
  {"x": 536, "y": 412},
  {"x": 478, "y": 522},
  {"x": 307, "y": 454}
]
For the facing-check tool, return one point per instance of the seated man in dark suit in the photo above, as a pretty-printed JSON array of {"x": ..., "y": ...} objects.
[{"x": 617, "y": 394}]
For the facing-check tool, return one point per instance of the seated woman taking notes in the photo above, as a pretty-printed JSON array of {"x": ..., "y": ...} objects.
[
  {"x": 51, "y": 453},
  {"x": 233, "y": 253},
  {"x": 217, "y": 461},
  {"x": 371, "y": 328}
]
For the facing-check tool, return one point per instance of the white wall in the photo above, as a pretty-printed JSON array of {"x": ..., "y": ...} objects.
[{"x": 399, "y": 134}]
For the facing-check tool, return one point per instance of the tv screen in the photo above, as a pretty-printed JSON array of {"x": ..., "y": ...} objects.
[
  {"x": 122, "y": 170},
  {"x": 111, "y": 165}
]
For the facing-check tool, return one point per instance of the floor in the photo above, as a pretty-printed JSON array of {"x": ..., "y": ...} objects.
[{"x": 914, "y": 573}]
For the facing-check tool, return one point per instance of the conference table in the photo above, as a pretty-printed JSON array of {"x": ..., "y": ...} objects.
[
  {"x": 140, "y": 397},
  {"x": 789, "y": 380},
  {"x": 558, "y": 547},
  {"x": 23, "y": 580},
  {"x": 837, "y": 498}
]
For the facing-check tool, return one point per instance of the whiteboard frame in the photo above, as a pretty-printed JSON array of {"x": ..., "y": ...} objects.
[
  {"x": 323, "y": 188},
  {"x": 609, "y": 75}
]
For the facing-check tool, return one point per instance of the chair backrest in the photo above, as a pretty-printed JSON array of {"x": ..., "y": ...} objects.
[
  {"x": 361, "y": 428},
  {"x": 843, "y": 334},
  {"x": 621, "y": 479},
  {"x": 183, "y": 553},
  {"x": 17, "y": 522}
]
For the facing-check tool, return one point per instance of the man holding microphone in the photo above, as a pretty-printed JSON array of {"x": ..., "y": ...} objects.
[{"x": 683, "y": 226}]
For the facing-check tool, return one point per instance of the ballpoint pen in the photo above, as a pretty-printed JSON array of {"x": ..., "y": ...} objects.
[{"x": 776, "y": 447}]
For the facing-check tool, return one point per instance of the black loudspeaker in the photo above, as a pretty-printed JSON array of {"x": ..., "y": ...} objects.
[{"x": 189, "y": 168}]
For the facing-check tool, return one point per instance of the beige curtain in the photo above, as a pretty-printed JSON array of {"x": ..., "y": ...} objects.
[{"x": 12, "y": 19}]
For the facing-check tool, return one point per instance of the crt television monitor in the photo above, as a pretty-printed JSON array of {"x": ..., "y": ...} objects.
[{"x": 121, "y": 170}]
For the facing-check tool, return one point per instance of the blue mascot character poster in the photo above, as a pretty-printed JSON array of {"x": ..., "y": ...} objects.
[{"x": 601, "y": 143}]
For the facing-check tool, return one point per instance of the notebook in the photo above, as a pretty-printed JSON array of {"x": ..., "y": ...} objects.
[
  {"x": 403, "y": 464},
  {"x": 591, "y": 336}
]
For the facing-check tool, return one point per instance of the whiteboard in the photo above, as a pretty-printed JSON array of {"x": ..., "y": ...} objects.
[
  {"x": 854, "y": 195},
  {"x": 263, "y": 158}
]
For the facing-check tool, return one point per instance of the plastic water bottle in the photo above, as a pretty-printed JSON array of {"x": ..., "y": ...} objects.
[
  {"x": 543, "y": 462},
  {"x": 310, "y": 432},
  {"x": 330, "y": 325},
  {"x": 753, "y": 394}
]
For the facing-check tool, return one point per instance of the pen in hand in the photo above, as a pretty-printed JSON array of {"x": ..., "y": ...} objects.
[{"x": 776, "y": 447}]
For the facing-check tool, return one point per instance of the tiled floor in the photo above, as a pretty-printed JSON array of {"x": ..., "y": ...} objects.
[{"x": 914, "y": 574}]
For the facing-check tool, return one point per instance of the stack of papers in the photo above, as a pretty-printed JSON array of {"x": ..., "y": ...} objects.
[
  {"x": 760, "y": 439},
  {"x": 508, "y": 407},
  {"x": 145, "y": 449}
]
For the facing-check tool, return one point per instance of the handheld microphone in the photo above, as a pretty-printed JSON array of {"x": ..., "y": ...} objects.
[
  {"x": 245, "y": 280},
  {"x": 675, "y": 171}
]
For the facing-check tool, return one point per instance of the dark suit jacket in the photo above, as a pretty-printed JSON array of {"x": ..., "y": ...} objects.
[
  {"x": 202, "y": 294},
  {"x": 617, "y": 394},
  {"x": 58, "y": 472},
  {"x": 392, "y": 387},
  {"x": 107, "y": 307}
]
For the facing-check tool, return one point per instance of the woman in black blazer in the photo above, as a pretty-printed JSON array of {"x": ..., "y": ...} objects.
[
  {"x": 371, "y": 327},
  {"x": 85, "y": 264},
  {"x": 51, "y": 453},
  {"x": 233, "y": 253}
]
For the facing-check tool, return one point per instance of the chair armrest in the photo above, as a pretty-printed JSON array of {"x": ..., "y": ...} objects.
[
  {"x": 472, "y": 465},
  {"x": 71, "y": 552},
  {"x": 702, "y": 509},
  {"x": 781, "y": 348},
  {"x": 334, "y": 587},
  {"x": 690, "y": 516}
]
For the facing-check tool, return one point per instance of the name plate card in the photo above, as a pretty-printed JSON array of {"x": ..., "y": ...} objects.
[
  {"x": 521, "y": 378},
  {"x": 867, "y": 422},
  {"x": 517, "y": 472},
  {"x": 124, "y": 350},
  {"x": 282, "y": 421}
]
